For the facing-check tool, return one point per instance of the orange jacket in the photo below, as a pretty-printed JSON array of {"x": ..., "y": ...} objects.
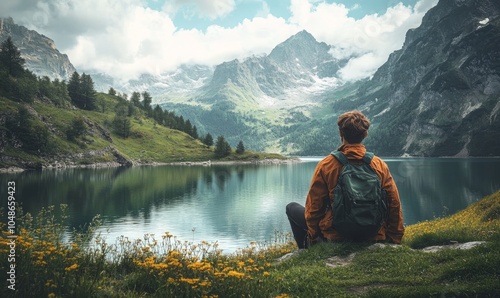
[{"x": 319, "y": 218}]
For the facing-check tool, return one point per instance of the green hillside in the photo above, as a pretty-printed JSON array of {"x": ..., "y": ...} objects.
[
  {"x": 46, "y": 124},
  {"x": 148, "y": 141}
]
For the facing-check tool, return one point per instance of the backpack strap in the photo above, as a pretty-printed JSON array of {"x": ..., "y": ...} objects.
[
  {"x": 367, "y": 158},
  {"x": 340, "y": 157}
]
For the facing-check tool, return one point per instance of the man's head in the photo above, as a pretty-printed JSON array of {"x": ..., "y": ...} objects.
[{"x": 353, "y": 126}]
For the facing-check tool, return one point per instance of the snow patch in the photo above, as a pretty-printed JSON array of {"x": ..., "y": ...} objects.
[
  {"x": 482, "y": 23},
  {"x": 267, "y": 101},
  {"x": 383, "y": 112},
  {"x": 485, "y": 21},
  {"x": 494, "y": 112},
  {"x": 462, "y": 61},
  {"x": 470, "y": 109}
]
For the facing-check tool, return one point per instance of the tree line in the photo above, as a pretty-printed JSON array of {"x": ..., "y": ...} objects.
[{"x": 18, "y": 83}]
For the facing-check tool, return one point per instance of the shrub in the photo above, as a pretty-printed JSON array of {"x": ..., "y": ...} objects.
[{"x": 76, "y": 129}]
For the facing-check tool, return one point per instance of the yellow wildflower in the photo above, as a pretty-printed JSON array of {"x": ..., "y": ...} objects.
[
  {"x": 190, "y": 281},
  {"x": 205, "y": 283},
  {"x": 72, "y": 267},
  {"x": 236, "y": 274}
]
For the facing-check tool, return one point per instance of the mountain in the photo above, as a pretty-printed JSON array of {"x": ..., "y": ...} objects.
[
  {"x": 39, "y": 51},
  {"x": 258, "y": 99},
  {"x": 437, "y": 96},
  {"x": 299, "y": 61},
  {"x": 440, "y": 94},
  {"x": 174, "y": 84}
]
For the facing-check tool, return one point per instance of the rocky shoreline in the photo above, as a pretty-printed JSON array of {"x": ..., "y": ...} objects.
[{"x": 75, "y": 162}]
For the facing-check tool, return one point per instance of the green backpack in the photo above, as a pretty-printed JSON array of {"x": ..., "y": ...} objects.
[{"x": 359, "y": 203}]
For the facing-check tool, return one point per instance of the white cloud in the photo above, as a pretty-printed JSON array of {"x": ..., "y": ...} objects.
[
  {"x": 210, "y": 9},
  {"x": 361, "y": 66},
  {"x": 423, "y": 6},
  {"x": 147, "y": 41},
  {"x": 371, "y": 38},
  {"x": 124, "y": 39},
  {"x": 264, "y": 10}
]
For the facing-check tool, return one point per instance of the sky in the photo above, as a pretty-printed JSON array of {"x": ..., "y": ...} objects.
[{"x": 125, "y": 38}]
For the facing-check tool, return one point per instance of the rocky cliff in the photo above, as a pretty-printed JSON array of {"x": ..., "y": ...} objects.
[
  {"x": 440, "y": 94},
  {"x": 39, "y": 51}
]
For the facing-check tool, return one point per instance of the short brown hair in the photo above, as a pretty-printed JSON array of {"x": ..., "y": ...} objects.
[{"x": 353, "y": 126}]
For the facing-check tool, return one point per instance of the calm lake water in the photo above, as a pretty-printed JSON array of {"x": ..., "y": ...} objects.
[{"x": 235, "y": 204}]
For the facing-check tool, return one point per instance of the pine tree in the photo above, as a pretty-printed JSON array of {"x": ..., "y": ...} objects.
[
  {"x": 74, "y": 88},
  {"x": 194, "y": 132},
  {"x": 10, "y": 57},
  {"x": 146, "y": 102},
  {"x": 88, "y": 92},
  {"x": 33, "y": 135},
  {"x": 208, "y": 140},
  {"x": 136, "y": 99},
  {"x": 158, "y": 114},
  {"x": 76, "y": 129},
  {"x": 222, "y": 147},
  {"x": 240, "y": 148},
  {"x": 121, "y": 126},
  {"x": 82, "y": 92}
]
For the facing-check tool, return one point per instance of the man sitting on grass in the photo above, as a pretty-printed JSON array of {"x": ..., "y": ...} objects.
[{"x": 316, "y": 221}]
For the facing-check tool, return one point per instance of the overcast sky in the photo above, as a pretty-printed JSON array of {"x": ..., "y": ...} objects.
[{"x": 125, "y": 38}]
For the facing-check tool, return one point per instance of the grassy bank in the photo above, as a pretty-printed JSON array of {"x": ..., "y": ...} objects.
[
  {"x": 162, "y": 266},
  {"x": 147, "y": 143}
]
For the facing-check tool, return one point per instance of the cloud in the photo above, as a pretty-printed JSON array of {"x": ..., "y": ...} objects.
[
  {"x": 371, "y": 39},
  {"x": 147, "y": 41},
  {"x": 210, "y": 9},
  {"x": 264, "y": 10},
  {"x": 124, "y": 38},
  {"x": 361, "y": 66},
  {"x": 423, "y": 6}
]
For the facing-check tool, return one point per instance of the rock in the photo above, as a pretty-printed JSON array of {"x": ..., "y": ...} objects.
[
  {"x": 383, "y": 245},
  {"x": 289, "y": 255},
  {"x": 339, "y": 261},
  {"x": 467, "y": 245}
]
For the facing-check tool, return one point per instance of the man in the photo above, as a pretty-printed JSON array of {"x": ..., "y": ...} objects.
[{"x": 313, "y": 223}]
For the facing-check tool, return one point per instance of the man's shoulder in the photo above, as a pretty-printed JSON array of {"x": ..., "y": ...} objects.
[
  {"x": 328, "y": 161},
  {"x": 376, "y": 158},
  {"x": 379, "y": 163}
]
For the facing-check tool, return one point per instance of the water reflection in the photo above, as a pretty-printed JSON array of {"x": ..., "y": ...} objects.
[
  {"x": 433, "y": 187},
  {"x": 233, "y": 204}
]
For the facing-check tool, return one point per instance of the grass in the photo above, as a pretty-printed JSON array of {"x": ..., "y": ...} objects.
[
  {"x": 148, "y": 142},
  {"x": 163, "y": 266}
]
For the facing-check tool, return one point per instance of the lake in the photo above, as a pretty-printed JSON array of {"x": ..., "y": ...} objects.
[{"x": 233, "y": 204}]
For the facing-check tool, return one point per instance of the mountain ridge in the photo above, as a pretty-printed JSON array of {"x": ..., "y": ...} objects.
[
  {"x": 39, "y": 51},
  {"x": 446, "y": 80},
  {"x": 436, "y": 96},
  {"x": 265, "y": 94}
]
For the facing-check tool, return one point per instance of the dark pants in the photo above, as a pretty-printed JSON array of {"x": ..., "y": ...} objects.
[{"x": 296, "y": 216}]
